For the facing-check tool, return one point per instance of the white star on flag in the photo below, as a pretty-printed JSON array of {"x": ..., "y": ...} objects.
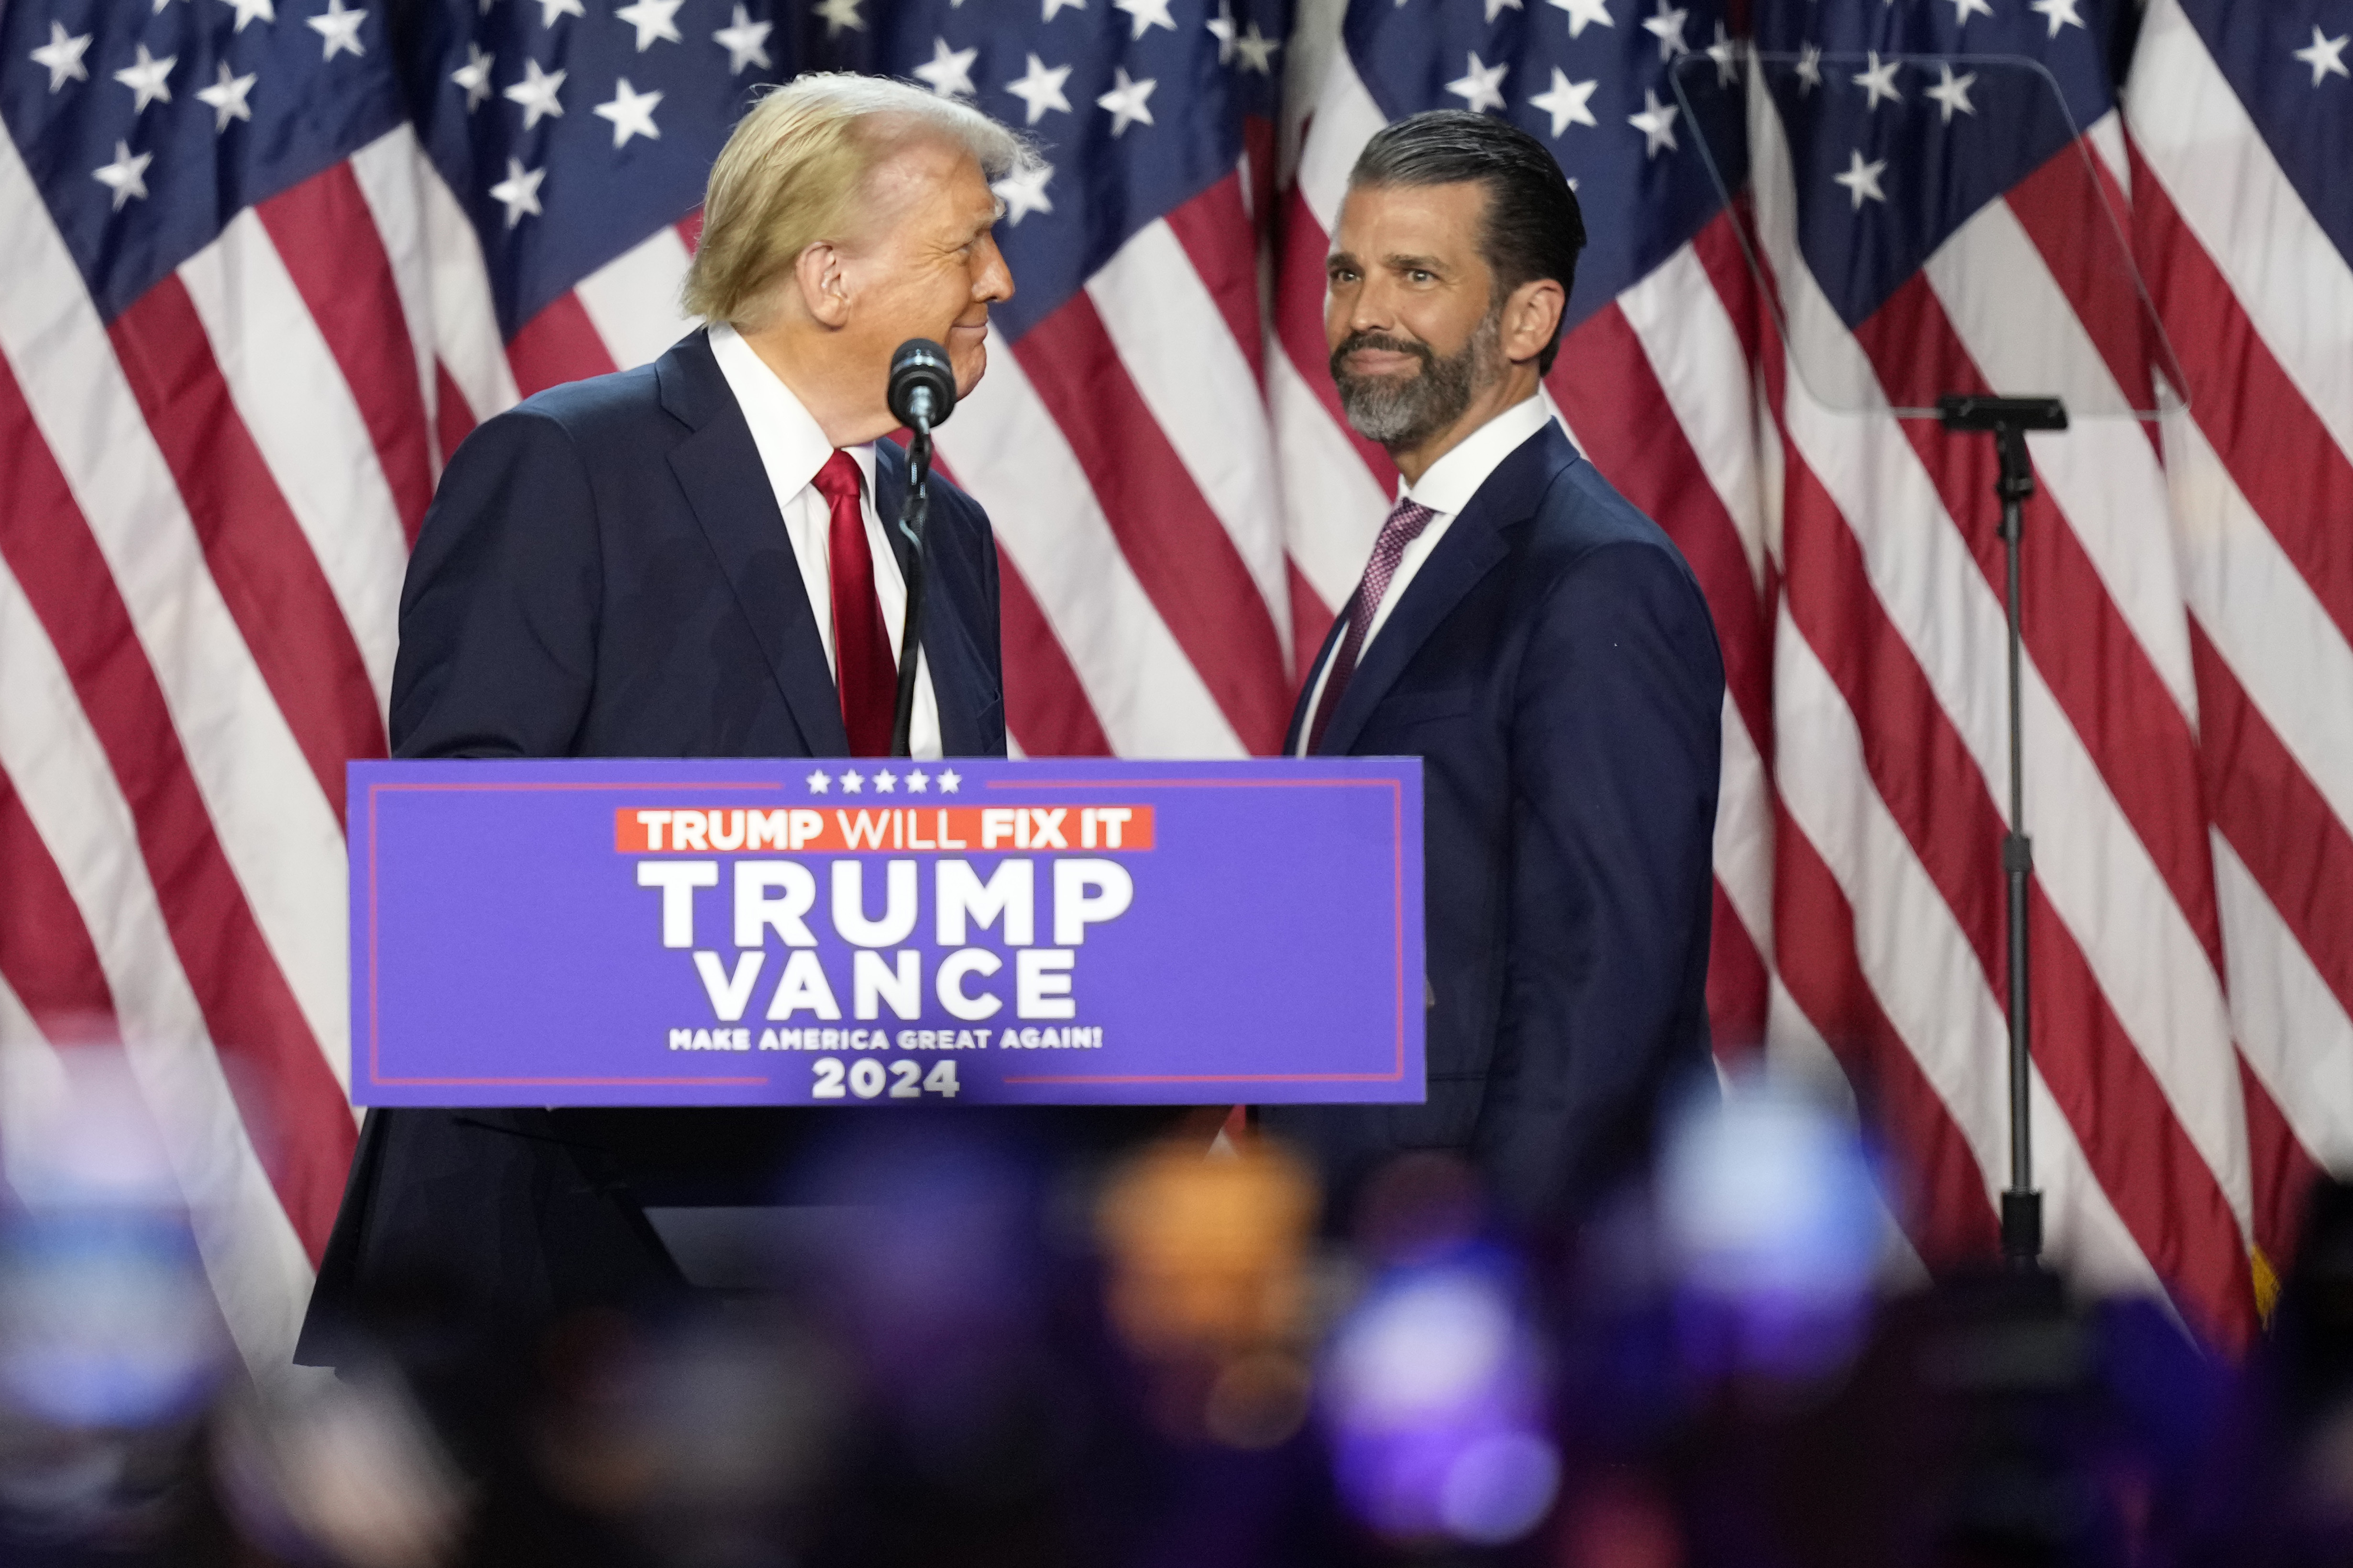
[
  {"x": 1146, "y": 13},
  {"x": 474, "y": 75},
  {"x": 949, "y": 71},
  {"x": 1726, "y": 55},
  {"x": 1497, "y": 7},
  {"x": 949, "y": 780},
  {"x": 225, "y": 97},
  {"x": 1127, "y": 101},
  {"x": 840, "y": 13},
  {"x": 1052, "y": 6},
  {"x": 340, "y": 28},
  {"x": 125, "y": 175},
  {"x": 2325, "y": 55},
  {"x": 519, "y": 192},
  {"x": 1257, "y": 50},
  {"x": 653, "y": 19},
  {"x": 1041, "y": 88},
  {"x": 1479, "y": 86},
  {"x": 1953, "y": 92},
  {"x": 1878, "y": 81},
  {"x": 1221, "y": 28},
  {"x": 2060, "y": 12},
  {"x": 145, "y": 77},
  {"x": 1657, "y": 124},
  {"x": 819, "y": 782},
  {"x": 853, "y": 784},
  {"x": 253, "y": 10},
  {"x": 1566, "y": 102},
  {"x": 549, "y": 10},
  {"x": 1023, "y": 192},
  {"x": 61, "y": 57},
  {"x": 1584, "y": 13},
  {"x": 631, "y": 113},
  {"x": 1810, "y": 68},
  {"x": 1861, "y": 180},
  {"x": 1667, "y": 27},
  {"x": 745, "y": 41},
  {"x": 1961, "y": 9},
  {"x": 537, "y": 94}
]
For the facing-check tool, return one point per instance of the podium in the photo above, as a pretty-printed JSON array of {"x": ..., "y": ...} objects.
[{"x": 880, "y": 934}]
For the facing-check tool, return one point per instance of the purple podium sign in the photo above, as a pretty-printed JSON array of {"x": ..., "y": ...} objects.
[{"x": 866, "y": 932}]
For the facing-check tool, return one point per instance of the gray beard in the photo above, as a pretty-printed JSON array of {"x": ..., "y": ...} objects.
[{"x": 1405, "y": 411}]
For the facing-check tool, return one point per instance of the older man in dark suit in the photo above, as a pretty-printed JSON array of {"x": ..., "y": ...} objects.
[{"x": 1545, "y": 649}]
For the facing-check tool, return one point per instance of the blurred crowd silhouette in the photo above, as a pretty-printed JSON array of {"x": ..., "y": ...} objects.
[{"x": 1177, "y": 1359}]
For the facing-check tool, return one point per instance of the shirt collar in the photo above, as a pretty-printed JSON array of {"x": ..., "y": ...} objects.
[
  {"x": 1448, "y": 484},
  {"x": 792, "y": 444}
]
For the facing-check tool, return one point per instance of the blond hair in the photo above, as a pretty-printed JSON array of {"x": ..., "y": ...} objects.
[{"x": 791, "y": 173}]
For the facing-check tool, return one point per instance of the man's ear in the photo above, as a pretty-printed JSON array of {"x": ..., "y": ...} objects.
[
  {"x": 824, "y": 283},
  {"x": 1531, "y": 316}
]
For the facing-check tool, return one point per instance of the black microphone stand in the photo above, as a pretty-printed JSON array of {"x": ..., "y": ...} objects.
[
  {"x": 913, "y": 512},
  {"x": 2009, "y": 420}
]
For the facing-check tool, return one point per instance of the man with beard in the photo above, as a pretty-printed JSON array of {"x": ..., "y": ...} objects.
[{"x": 1545, "y": 649}]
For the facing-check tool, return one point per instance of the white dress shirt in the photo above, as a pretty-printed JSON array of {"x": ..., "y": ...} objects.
[
  {"x": 793, "y": 447},
  {"x": 1446, "y": 487}
]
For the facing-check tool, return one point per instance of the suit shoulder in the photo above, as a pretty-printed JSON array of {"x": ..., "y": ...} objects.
[
  {"x": 1582, "y": 512},
  {"x": 594, "y": 410}
]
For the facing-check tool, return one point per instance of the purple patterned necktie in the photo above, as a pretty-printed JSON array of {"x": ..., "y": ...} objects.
[{"x": 1406, "y": 519}]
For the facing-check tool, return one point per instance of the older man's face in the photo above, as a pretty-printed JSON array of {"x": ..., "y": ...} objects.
[
  {"x": 1410, "y": 317},
  {"x": 927, "y": 264}
]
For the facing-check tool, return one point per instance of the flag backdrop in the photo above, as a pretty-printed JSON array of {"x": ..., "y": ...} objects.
[{"x": 263, "y": 263}]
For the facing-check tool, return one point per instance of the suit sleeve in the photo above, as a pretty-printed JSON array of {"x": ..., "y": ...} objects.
[
  {"x": 1616, "y": 733},
  {"x": 498, "y": 616}
]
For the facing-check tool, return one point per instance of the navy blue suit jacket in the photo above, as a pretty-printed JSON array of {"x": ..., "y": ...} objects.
[
  {"x": 604, "y": 573},
  {"x": 1554, "y": 665}
]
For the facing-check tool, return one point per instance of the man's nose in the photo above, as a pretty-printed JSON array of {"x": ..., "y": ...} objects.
[{"x": 995, "y": 281}]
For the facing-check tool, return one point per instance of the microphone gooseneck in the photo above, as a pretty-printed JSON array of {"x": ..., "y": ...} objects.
[{"x": 922, "y": 394}]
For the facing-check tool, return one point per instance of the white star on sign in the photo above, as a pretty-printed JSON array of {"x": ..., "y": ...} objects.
[
  {"x": 819, "y": 782},
  {"x": 61, "y": 57},
  {"x": 1221, "y": 28},
  {"x": 225, "y": 97},
  {"x": 853, "y": 784},
  {"x": 2325, "y": 55},
  {"x": 1053, "y": 6},
  {"x": 2060, "y": 12},
  {"x": 949, "y": 780},
  {"x": 1478, "y": 86},
  {"x": 1567, "y": 101},
  {"x": 1953, "y": 93},
  {"x": 1878, "y": 81},
  {"x": 125, "y": 175},
  {"x": 840, "y": 13},
  {"x": 1146, "y": 13},
  {"x": 949, "y": 71},
  {"x": 1497, "y": 7},
  {"x": 1667, "y": 27},
  {"x": 1810, "y": 68},
  {"x": 1041, "y": 88},
  {"x": 1726, "y": 55},
  {"x": 1127, "y": 101},
  {"x": 340, "y": 28},
  {"x": 537, "y": 93},
  {"x": 474, "y": 75},
  {"x": 886, "y": 782},
  {"x": 745, "y": 41},
  {"x": 1657, "y": 124},
  {"x": 1961, "y": 9},
  {"x": 549, "y": 10},
  {"x": 145, "y": 77},
  {"x": 1861, "y": 180},
  {"x": 252, "y": 10},
  {"x": 916, "y": 781},
  {"x": 1023, "y": 192},
  {"x": 1257, "y": 50},
  {"x": 519, "y": 191},
  {"x": 631, "y": 113},
  {"x": 1584, "y": 13},
  {"x": 652, "y": 19}
]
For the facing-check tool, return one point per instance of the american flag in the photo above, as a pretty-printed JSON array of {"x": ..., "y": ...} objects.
[{"x": 267, "y": 261}]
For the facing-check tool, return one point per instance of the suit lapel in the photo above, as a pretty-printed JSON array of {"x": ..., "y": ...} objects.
[
  {"x": 1471, "y": 548},
  {"x": 950, "y": 651},
  {"x": 726, "y": 484}
]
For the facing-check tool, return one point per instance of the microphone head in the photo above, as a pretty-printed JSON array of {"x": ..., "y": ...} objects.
[{"x": 921, "y": 366}]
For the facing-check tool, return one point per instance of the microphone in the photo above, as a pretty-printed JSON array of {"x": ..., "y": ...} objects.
[{"x": 922, "y": 384}]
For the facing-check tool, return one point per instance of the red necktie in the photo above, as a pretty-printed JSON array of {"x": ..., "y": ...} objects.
[
  {"x": 1406, "y": 519},
  {"x": 865, "y": 672}
]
